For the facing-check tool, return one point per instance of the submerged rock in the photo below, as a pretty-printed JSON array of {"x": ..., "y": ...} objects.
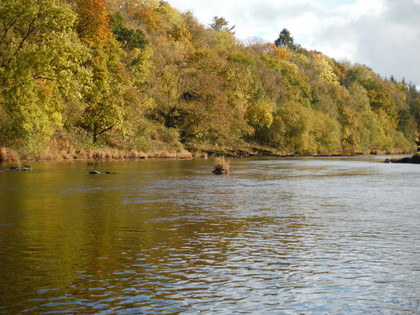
[
  {"x": 222, "y": 167},
  {"x": 26, "y": 168},
  {"x": 415, "y": 159},
  {"x": 97, "y": 172}
]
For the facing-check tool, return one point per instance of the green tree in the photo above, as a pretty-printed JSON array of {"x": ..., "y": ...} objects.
[
  {"x": 286, "y": 40},
  {"x": 149, "y": 77},
  {"x": 130, "y": 38},
  {"x": 260, "y": 117},
  {"x": 40, "y": 67},
  {"x": 104, "y": 94}
]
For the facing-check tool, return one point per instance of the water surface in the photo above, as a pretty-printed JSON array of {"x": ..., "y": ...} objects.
[{"x": 284, "y": 236}]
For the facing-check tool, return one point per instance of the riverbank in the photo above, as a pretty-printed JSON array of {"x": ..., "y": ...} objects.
[{"x": 10, "y": 156}]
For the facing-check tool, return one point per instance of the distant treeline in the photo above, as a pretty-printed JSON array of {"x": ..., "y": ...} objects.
[{"x": 78, "y": 75}]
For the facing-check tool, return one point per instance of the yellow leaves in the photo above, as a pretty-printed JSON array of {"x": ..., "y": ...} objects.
[
  {"x": 324, "y": 67},
  {"x": 165, "y": 70},
  {"x": 149, "y": 17},
  {"x": 308, "y": 131},
  {"x": 170, "y": 14},
  {"x": 359, "y": 96},
  {"x": 260, "y": 115},
  {"x": 45, "y": 88},
  {"x": 203, "y": 53},
  {"x": 182, "y": 33},
  {"x": 149, "y": 3},
  {"x": 57, "y": 118},
  {"x": 140, "y": 63},
  {"x": 223, "y": 40},
  {"x": 99, "y": 74},
  {"x": 42, "y": 72},
  {"x": 280, "y": 52},
  {"x": 326, "y": 132}
]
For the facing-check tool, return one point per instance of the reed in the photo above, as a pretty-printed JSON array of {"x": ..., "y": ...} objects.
[
  {"x": 8, "y": 155},
  {"x": 221, "y": 166}
]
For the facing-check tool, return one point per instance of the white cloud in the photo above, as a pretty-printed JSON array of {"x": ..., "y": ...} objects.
[
  {"x": 361, "y": 8},
  {"x": 341, "y": 52}
]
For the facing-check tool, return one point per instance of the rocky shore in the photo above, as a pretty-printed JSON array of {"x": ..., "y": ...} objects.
[{"x": 415, "y": 159}]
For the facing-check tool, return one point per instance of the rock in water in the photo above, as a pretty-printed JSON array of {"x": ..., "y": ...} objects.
[
  {"x": 415, "y": 159},
  {"x": 222, "y": 167}
]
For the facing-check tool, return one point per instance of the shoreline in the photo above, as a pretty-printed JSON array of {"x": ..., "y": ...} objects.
[
  {"x": 415, "y": 159},
  {"x": 9, "y": 156}
]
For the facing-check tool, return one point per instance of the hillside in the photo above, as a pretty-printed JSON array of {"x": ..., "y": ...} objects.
[{"x": 82, "y": 77}]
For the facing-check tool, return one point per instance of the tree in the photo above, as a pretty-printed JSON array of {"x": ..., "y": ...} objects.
[
  {"x": 130, "y": 38},
  {"x": 40, "y": 67},
  {"x": 323, "y": 67},
  {"x": 93, "y": 21},
  {"x": 260, "y": 116},
  {"x": 104, "y": 101},
  {"x": 221, "y": 24},
  {"x": 285, "y": 39},
  {"x": 148, "y": 76},
  {"x": 103, "y": 94}
]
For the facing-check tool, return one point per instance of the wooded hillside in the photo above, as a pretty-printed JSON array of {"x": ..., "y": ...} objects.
[{"x": 140, "y": 76}]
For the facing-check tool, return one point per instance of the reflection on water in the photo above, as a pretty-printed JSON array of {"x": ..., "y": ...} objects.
[{"x": 280, "y": 236}]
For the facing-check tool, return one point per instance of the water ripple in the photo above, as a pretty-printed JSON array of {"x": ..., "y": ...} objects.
[{"x": 280, "y": 236}]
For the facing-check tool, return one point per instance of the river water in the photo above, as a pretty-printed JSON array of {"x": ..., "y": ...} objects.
[{"x": 278, "y": 236}]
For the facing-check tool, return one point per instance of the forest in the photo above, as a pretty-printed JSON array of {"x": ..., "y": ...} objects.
[{"x": 115, "y": 78}]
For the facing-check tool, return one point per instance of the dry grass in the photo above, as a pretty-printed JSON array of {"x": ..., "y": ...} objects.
[
  {"x": 184, "y": 155},
  {"x": 133, "y": 154},
  {"x": 170, "y": 155},
  {"x": 8, "y": 155},
  {"x": 200, "y": 155},
  {"x": 221, "y": 166},
  {"x": 62, "y": 150}
]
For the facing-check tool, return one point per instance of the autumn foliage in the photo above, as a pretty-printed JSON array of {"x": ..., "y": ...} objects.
[
  {"x": 140, "y": 76},
  {"x": 93, "y": 21}
]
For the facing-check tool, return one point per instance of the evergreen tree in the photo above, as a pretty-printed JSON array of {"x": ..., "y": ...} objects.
[{"x": 285, "y": 39}]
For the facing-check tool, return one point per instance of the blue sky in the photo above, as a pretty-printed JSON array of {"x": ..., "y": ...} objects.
[{"x": 383, "y": 34}]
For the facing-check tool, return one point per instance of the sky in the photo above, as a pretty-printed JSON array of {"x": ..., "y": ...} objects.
[{"x": 382, "y": 34}]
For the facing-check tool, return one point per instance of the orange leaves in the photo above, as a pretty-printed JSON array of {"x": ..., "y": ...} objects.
[
  {"x": 149, "y": 16},
  {"x": 280, "y": 52},
  {"x": 93, "y": 22}
]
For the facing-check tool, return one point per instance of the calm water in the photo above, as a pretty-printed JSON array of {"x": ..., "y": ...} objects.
[{"x": 283, "y": 236}]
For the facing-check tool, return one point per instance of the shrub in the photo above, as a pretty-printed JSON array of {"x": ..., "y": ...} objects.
[
  {"x": 221, "y": 167},
  {"x": 8, "y": 155}
]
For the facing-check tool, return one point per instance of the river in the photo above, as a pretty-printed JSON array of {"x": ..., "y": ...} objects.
[{"x": 278, "y": 236}]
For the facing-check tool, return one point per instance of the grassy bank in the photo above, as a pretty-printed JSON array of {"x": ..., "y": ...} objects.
[{"x": 8, "y": 155}]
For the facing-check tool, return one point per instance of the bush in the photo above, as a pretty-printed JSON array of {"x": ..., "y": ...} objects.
[
  {"x": 8, "y": 155},
  {"x": 221, "y": 167}
]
